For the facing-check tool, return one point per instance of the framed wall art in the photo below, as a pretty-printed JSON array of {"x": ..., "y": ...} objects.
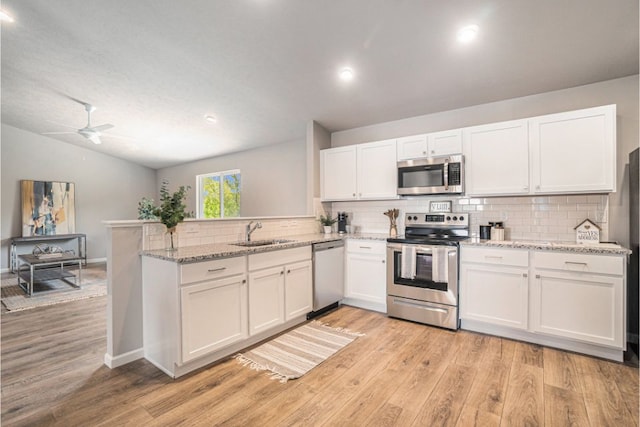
[{"x": 48, "y": 208}]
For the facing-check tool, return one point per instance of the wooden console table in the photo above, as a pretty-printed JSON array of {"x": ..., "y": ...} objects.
[
  {"x": 18, "y": 243},
  {"x": 32, "y": 269}
]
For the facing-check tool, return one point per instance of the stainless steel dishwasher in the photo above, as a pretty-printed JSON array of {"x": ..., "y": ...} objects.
[{"x": 328, "y": 276}]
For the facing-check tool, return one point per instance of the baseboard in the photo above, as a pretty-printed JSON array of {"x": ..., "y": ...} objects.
[{"x": 123, "y": 359}]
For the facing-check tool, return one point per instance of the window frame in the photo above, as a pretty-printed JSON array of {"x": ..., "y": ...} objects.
[{"x": 199, "y": 199}]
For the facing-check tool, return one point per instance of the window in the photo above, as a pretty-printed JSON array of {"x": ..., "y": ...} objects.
[{"x": 219, "y": 194}]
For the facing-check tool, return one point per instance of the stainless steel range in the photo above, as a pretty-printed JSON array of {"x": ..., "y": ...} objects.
[{"x": 422, "y": 268}]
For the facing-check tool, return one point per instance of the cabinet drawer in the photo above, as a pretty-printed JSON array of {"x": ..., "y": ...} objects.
[
  {"x": 582, "y": 263},
  {"x": 279, "y": 257},
  {"x": 213, "y": 269},
  {"x": 359, "y": 246},
  {"x": 514, "y": 257}
]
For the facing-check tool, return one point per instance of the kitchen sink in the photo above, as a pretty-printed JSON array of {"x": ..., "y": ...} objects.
[{"x": 262, "y": 242}]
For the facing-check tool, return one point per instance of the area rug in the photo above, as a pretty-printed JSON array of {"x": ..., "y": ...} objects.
[
  {"x": 295, "y": 353},
  {"x": 51, "y": 292}
]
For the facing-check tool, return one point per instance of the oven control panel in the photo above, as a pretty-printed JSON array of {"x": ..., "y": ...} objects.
[{"x": 448, "y": 218}]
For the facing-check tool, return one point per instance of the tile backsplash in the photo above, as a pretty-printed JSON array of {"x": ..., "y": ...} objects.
[
  {"x": 549, "y": 218},
  {"x": 202, "y": 232}
]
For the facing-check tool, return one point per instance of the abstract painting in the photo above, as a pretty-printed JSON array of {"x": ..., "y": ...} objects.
[{"x": 48, "y": 208}]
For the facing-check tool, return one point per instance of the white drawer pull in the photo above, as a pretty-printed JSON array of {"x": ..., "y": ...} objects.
[
  {"x": 576, "y": 263},
  {"x": 213, "y": 270},
  {"x": 493, "y": 256},
  {"x": 365, "y": 247}
]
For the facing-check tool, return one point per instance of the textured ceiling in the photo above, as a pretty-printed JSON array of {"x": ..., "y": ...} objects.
[{"x": 264, "y": 68}]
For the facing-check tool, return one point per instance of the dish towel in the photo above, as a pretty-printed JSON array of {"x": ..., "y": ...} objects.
[
  {"x": 439, "y": 264},
  {"x": 408, "y": 262}
]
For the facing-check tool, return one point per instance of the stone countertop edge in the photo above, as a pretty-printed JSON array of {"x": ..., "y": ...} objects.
[
  {"x": 190, "y": 254},
  {"x": 611, "y": 249}
]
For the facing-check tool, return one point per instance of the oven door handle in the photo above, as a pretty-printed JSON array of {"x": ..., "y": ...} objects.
[
  {"x": 422, "y": 306},
  {"x": 419, "y": 248}
]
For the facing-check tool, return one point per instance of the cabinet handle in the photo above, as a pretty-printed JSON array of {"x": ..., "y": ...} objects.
[
  {"x": 281, "y": 272},
  {"x": 365, "y": 247},
  {"x": 244, "y": 280},
  {"x": 493, "y": 256},
  {"x": 537, "y": 276},
  {"x": 526, "y": 187},
  {"x": 213, "y": 270},
  {"x": 424, "y": 152},
  {"x": 354, "y": 194},
  {"x": 433, "y": 151},
  {"x": 383, "y": 261},
  {"x": 525, "y": 275},
  {"x": 576, "y": 263},
  {"x": 537, "y": 187},
  {"x": 288, "y": 271}
]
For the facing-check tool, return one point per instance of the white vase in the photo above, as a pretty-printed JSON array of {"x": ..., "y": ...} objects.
[{"x": 327, "y": 229}]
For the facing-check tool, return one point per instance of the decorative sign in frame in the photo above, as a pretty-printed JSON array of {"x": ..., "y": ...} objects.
[{"x": 440, "y": 206}]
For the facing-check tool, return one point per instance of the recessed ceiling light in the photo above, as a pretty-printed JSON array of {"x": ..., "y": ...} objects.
[
  {"x": 5, "y": 17},
  {"x": 346, "y": 74},
  {"x": 211, "y": 119},
  {"x": 468, "y": 33}
]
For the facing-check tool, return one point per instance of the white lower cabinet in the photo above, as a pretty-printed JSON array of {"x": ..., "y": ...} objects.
[
  {"x": 298, "y": 290},
  {"x": 214, "y": 315},
  {"x": 197, "y": 313},
  {"x": 366, "y": 272},
  {"x": 280, "y": 287},
  {"x": 576, "y": 303},
  {"x": 495, "y": 294},
  {"x": 567, "y": 300},
  {"x": 266, "y": 299}
]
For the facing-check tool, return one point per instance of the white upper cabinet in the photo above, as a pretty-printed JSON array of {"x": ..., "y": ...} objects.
[
  {"x": 430, "y": 145},
  {"x": 574, "y": 152},
  {"x": 338, "y": 173},
  {"x": 412, "y": 147},
  {"x": 359, "y": 172},
  {"x": 377, "y": 170},
  {"x": 497, "y": 158}
]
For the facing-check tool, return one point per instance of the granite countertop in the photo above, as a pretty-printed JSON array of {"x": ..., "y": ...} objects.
[
  {"x": 189, "y": 254},
  {"x": 602, "y": 248}
]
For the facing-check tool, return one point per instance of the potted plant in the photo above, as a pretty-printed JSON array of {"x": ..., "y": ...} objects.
[
  {"x": 171, "y": 212},
  {"x": 327, "y": 222}
]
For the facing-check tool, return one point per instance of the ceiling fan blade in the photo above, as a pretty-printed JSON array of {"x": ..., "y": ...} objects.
[
  {"x": 113, "y": 135},
  {"x": 95, "y": 139},
  {"x": 58, "y": 133},
  {"x": 102, "y": 128}
]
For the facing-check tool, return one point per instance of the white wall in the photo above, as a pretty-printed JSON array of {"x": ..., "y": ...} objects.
[
  {"x": 106, "y": 188},
  {"x": 623, "y": 92},
  {"x": 274, "y": 179}
]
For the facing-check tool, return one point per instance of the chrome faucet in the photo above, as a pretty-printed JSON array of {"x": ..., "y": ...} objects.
[{"x": 251, "y": 229}]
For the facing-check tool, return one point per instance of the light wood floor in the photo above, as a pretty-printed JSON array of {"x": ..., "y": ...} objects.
[{"x": 399, "y": 374}]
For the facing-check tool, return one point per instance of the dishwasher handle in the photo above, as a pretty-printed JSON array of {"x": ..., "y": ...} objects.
[{"x": 324, "y": 246}]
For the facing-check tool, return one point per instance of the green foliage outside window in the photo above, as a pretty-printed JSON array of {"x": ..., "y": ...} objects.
[{"x": 217, "y": 203}]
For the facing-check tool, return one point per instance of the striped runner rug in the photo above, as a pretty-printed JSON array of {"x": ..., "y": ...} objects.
[{"x": 295, "y": 353}]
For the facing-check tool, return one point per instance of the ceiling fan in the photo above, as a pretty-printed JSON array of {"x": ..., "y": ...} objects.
[{"x": 92, "y": 133}]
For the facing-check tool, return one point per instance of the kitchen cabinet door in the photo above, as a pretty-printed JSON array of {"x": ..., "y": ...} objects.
[
  {"x": 445, "y": 143},
  {"x": 298, "y": 290},
  {"x": 366, "y": 281},
  {"x": 412, "y": 147},
  {"x": 266, "y": 299},
  {"x": 338, "y": 173},
  {"x": 497, "y": 159},
  {"x": 377, "y": 170},
  {"x": 574, "y": 152},
  {"x": 214, "y": 315},
  {"x": 494, "y": 294},
  {"x": 584, "y": 307}
]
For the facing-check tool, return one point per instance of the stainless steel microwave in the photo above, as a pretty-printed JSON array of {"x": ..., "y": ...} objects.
[{"x": 434, "y": 175}]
